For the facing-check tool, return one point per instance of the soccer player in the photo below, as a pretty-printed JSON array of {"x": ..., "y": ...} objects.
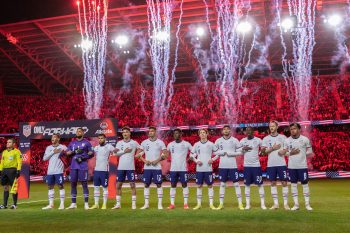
[
  {"x": 101, "y": 171},
  {"x": 252, "y": 168},
  {"x": 229, "y": 148},
  {"x": 10, "y": 169},
  {"x": 126, "y": 150},
  {"x": 53, "y": 154},
  {"x": 201, "y": 154},
  {"x": 298, "y": 148},
  {"x": 155, "y": 151},
  {"x": 178, "y": 170},
  {"x": 276, "y": 164},
  {"x": 81, "y": 150}
]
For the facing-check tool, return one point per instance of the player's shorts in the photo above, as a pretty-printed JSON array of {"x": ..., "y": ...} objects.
[
  {"x": 176, "y": 176},
  {"x": 152, "y": 175},
  {"x": 252, "y": 175},
  {"x": 301, "y": 175},
  {"x": 55, "y": 179},
  {"x": 78, "y": 175},
  {"x": 228, "y": 174},
  {"x": 101, "y": 178},
  {"x": 8, "y": 176},
  {"x": 123, "y": 174},
  {"x": 274, "y": 172},
  {"x": 206, "y": 177}
]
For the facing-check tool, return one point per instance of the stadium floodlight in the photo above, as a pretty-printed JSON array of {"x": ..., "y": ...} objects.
[
  {"x": 334, "y": 20},
  {"x": 289, "y": 23},
  {"x": 86, "y": 44},
  {"x": 244, "y": 27},
  {"x": 121, "y": 40},
  {"x": 200, "y": 31}
]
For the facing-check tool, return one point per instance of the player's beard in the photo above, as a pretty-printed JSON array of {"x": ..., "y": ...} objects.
[{"x": 79, "y": 137}]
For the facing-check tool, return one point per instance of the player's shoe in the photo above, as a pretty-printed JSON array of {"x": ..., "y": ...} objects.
[
  {"x": 294, "y": 208},
  {"x": 240, "y": 206},
  {"x": 308, "y": 207},
  {"x": 247, "y": 207},
  {"x": 286, "y": 207},
  {"x": 274, "y": 207},
  {"x": 212, "y": 207},
  {"x": 61, "y": 206},
  {"x": 133, "y": 207},
  {"x": 48, "y": 207},
  {"x": 94, "y": 207},
  {"x": 220, "y": 207},
  {"x": 160, "y": 207},
  {"x": 171, "y": 207},
  {"x": 186, "y": 206},
  {"x": 86, "y": 206},
  {"x": 72, "y": 206},
  {"x": 117, "y": 206},
  {"x": 197, "y": 207},
  {"x": 145, "y": 207},
  {"x": 3, "y": 207},
  {"x": 13, "y": 207},
  {"x": 263, "y": 207},
  {"x": 104, "y": 207}
]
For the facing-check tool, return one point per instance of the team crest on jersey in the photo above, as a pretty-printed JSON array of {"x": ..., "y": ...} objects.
[{"x": 27, "y": 130}]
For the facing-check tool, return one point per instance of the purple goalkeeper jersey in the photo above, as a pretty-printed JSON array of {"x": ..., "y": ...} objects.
[{"x": 86, "y": 147}]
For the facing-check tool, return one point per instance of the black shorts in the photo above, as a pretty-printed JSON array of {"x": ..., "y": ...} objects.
[{"x": 8, "y": 176}]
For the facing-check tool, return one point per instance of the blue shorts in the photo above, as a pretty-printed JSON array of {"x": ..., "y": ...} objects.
[
  {"x": 152, "y": 175},
  {"x": 301, "y": 175},
  {"x": 78, "y": 175},
  {"x": 176, "y": 176},
  {"x": 252, "y": 175},
  {"x": 101, "y": 178},
  {"x": 55, "y": 179},
  {"x": 123, "y": 174},
  {"x": 280, "y": 171},
  {"x": 204, "y": 176},
  {"x": 228, "y": 174}
]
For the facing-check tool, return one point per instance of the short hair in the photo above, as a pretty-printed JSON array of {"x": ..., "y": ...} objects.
[
  {"x": 12, "y": 139},
  {"x": 177, "y": 130},
  {"x": 226, "y": 126},
  {"x": 273, "y": 121},
  {"x": 205, "y": 130},
  {"x": 102, "y": 135},
  {"x": 80, "y": 128},
  {"x": 295, "y": 124},
  {"x": 57, "y": 135},
  {"x": 152, "y": 127},
  {"x": 126, "y": 128}
]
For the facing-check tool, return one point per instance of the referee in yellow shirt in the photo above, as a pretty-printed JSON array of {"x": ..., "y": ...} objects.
[{"x": 10, "y": 168}]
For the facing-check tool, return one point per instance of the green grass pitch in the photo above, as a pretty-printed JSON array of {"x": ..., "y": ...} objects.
[{"x": 329, "y": 198}]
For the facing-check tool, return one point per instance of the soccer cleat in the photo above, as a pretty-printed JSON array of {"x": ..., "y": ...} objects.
[
  {"x": 295, "y": 207},
  {"x": 3, "y": 207},
  {"x": 220, "y": 207},
  {"x": 117, "y": 206},
  {"x": 133, "y": 207},
  {"x": 286, "y": 207},
  {"x": 212, "y": 207},
  {"x": 240, "y": 206},
  {"x": 48, "y": 207},
  {"x": 72, "y": 206},
  {"x": 145, "y": 207},
  {"x": 247, "y": 207},
  {"x": 274, "y": 207},
  {"x": 198, "y": 206},
  {"x": 13, "y": 207},
  {"x": 186, "y": 207},
  {"x": 308, "y": 207},
  {"x": 94, "y": 207},
  {"x": 104, "y": 207},
  {"x": 171, "y": 207},
  {"x": 61, "y": 206},
  {"x": 86, "y": 206},
  {"x": 160, "y": 207},
  {"x": 263, "y": 207}
]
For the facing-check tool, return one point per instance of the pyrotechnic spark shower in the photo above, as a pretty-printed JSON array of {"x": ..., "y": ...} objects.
[{"x": 93, "y": 28}]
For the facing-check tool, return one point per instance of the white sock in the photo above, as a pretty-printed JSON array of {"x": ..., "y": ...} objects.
[
  {"x": 306, "y": 192},
  {"x": 211, "y": 195},
  {"x": 238, "y": 192},
  {"x": 105, "y": 196},
  {"x": 247, "y": 195},
  {"x": 262, "y": 195},
  {"x": 222, "y": 192},
  {"x": 160, "y": 195},
  {"x": 285, "y": 195},
  {"x": 118, "y": 200},
  {"x": 51, "y": 194},
  {"x": 199, "y": 196},
  {"x": 172, "y": 195},
  {"x": 295, "y": 194},
  {"x": 274, "y": 194},
  {"x": 62, "y": 196},
  {"x": 96, "y": 194},
  {"x": 146, "y": 195},
  {"x": 185, "y": 192},
  {"x": 133, "y": 200}
]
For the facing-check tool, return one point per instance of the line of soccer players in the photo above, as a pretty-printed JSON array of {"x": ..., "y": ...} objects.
[{"x": 204, "y": 152}]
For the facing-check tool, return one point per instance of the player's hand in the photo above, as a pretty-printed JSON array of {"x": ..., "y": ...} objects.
[
  {"x": 138, "y": 156},
  {"x": 199, "y": 163},
  {"x": 69, "y": 153},
  {"x": 154, "y": 163},
  {"x": 294, "y": 151},
  {"x": 210, "y": 161},
  {"x": 79, "y": 160},
  {"x": 147, "y": 162},
  {"x": 18, "y": 173},
  {"x": 276, "y": 146},
  {"x": 57, "y": 150},
  {"x": 246, "y": 148},
  {"x": 127, "y": 150}
]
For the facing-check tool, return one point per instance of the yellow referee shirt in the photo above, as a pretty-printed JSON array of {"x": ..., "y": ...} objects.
[{"x": 11, "y": 159}]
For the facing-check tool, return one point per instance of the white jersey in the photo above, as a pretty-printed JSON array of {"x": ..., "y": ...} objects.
[
  {"x": 302, "y": 143},
  {"x": 274, "y": 159},
  {"x": 102, "y": 156},
  {"x": 153, "y": 150},
  {"x": 56, "y": 165},
  {"x": 251, "y": 158},
  {"x": 127, "y": 160},
  {"x": 179, "y": 152},
  {"x": 230, "y": 146},
  {"x": 204, "y": 152}
]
